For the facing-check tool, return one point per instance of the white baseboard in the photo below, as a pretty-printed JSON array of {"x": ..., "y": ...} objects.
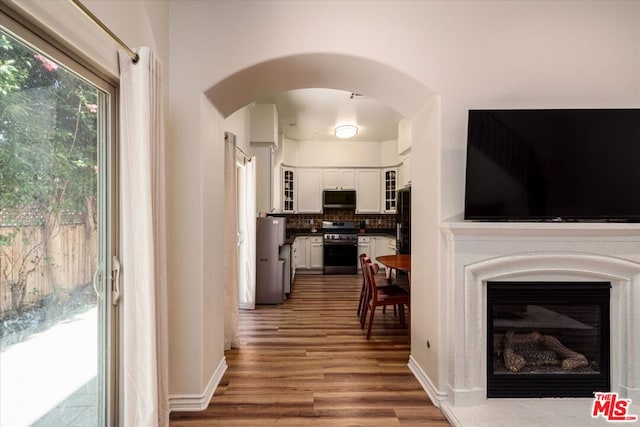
[
  {"x": 198, "y": 402},
  {"x": 439, "y": 399},
  {"x": 449, "y": 414},
  {"x": 436, "y": 397}
]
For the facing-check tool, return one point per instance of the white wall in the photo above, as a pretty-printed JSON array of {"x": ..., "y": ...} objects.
[
  {"x": 141, "y": 23},
  {"x": 426, "y": 300},
  {"x": 196, "y": 193},
  {"x": 341, "y": 153},
  {"x": 289, "y": 152},
  {"x": 389, "y": 153},
  {"x": 239, "y": 123},
  {"x": 337, "y": 153},
  {"x": 405, "y": 176}
]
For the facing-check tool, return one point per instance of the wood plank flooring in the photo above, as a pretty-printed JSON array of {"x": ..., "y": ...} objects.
[{"x": 307, "y": 362}]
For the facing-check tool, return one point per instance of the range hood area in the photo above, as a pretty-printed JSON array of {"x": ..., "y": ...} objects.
[{"x": 339, "y": 199}]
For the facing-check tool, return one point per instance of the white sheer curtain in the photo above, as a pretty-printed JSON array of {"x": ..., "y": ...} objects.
[
  {"x": 247, "y": 226},
  {"x": 231, "y": 302},
  {"x": 143, "y": 306}
]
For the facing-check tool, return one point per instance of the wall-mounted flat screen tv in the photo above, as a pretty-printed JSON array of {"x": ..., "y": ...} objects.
[{"x": 553, "y": 165}]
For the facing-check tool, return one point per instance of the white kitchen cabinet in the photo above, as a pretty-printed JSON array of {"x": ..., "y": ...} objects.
[
  {"x": 375, "y": 246},
  {"x": 309, "y": 190},
  {"x": 264, "y": 124},
  {"x": 390, "y": 249},
  {"x": 288, "y": 189},
  {"x": 367, "y": 190},
  {"x": 364, "y": 247},
  {"x": 315, "y": 252},
  {"x": 300, "y": 253},
  {"x": 307, "y": 253},
  {"x": 383, "y": 246},
  {"x": 391, "y": 245},
  {"x": 339, "y": 179},
  {"x": 389, "y": 188}
]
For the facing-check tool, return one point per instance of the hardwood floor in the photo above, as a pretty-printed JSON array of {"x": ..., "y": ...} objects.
[{"x": 307, "y": 362}]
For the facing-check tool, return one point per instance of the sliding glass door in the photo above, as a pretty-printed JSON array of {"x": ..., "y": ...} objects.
[{"x": 55, "y": 236}]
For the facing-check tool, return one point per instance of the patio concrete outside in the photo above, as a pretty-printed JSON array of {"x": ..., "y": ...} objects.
[{"x": 49, "y": 379}]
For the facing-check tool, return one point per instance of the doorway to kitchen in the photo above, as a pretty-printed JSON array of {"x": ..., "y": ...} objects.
[
  {"x": 239, "y": 88},
  {"x": 229, "y": 102}
]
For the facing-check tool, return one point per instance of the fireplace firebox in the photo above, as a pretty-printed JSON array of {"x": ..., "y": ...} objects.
[{"x": 547, "y": 339}]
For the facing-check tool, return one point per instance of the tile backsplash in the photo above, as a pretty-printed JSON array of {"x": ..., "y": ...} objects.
[{"x": 304, "y": 221}]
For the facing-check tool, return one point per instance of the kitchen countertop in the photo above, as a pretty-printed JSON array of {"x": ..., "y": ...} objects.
[
  {"x": 296, "y": 232},
  {"x": 387, "y": 232}
]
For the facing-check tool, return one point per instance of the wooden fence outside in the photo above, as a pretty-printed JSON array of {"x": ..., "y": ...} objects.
[{"x": 70, "y": 262}]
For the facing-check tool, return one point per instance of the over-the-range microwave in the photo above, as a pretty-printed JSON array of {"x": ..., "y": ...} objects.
[{"x": 339, "y": 199}]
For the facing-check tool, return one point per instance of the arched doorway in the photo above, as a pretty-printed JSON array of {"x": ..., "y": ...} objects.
[
  {"x": 336, "y": 71},
  {"x": 196, "y": 156}
]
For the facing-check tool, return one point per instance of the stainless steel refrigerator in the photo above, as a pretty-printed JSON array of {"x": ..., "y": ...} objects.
[
  {"x": 270, "y": 236},
  {"x": 403, "y": 221}
]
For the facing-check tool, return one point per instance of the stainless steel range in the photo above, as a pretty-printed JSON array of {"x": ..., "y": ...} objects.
[{"x": 340, "y": 247}]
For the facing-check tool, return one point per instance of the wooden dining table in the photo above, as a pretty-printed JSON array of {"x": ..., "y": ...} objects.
[{"x": 400, "y": 262}]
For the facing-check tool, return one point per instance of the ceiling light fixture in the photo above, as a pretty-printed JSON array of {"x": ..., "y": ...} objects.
[{"x": 346, "y": 131}]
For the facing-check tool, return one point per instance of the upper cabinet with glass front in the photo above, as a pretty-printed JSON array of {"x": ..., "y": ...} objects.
[
  {"x": 288, "y": 190},
  {"x": 389, "y": 187}
]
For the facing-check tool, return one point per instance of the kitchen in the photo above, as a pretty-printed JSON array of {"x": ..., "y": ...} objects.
[{"x": 337, "y": 196}]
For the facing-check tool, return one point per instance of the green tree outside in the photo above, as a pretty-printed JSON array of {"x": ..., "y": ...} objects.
[{"x": 48, "y": 157}]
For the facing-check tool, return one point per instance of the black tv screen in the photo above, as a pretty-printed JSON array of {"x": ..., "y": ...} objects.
[{"x": 559, "y": 165}]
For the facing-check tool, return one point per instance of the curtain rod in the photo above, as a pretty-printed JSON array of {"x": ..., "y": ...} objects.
[{"x": 134, "y": 56}]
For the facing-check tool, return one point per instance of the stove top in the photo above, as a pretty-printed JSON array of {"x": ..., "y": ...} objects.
[{"x": 339, "y": 232}]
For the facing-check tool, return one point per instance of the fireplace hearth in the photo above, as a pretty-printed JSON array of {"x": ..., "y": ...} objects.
[{"x": 547, "y": 339}]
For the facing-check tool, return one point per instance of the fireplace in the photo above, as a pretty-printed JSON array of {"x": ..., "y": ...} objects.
[
  {"x": 539, "y": 254},
  {"x": 547, "y": 339}
]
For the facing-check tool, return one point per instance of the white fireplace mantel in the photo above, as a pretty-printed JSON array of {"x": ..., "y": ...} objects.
[{"x": 478, "y": 252}]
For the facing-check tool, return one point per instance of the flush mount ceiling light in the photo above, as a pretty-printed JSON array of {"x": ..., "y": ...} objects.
[{"x": 346, "y": 131}]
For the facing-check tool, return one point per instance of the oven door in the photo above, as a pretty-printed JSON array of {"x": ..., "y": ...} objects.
[{"x": 340, "y": 257}]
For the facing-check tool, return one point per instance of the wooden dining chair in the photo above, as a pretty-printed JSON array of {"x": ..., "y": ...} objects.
[
  {"x": 377, "y": 296},
  {"x": 365, "y": 294},
  {"x": 364, "y": 258}
]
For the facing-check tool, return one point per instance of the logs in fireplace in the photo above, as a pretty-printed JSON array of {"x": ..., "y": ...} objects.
[{"x": 547, "y": 339}]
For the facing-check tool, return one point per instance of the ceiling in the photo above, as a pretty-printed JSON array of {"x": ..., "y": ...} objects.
[{"x": 312, "y": 114}]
